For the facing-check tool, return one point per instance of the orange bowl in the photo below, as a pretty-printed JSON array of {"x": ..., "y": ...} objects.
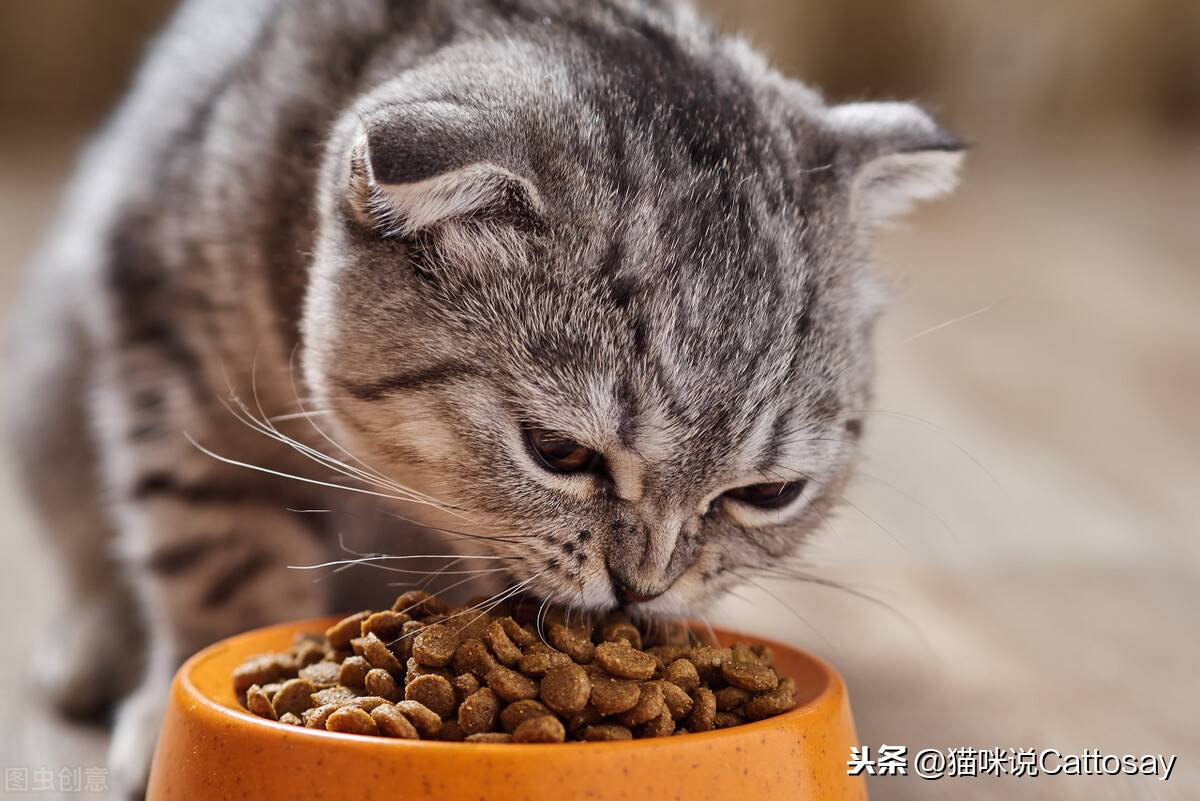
[{"x": 212, "y": 750}]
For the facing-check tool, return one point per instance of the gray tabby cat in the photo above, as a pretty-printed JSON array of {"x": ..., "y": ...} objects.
[{"x": 582, "y": 286}]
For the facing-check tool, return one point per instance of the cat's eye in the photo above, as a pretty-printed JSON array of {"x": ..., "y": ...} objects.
[
  {"x": 559, "y": 454},
  {"x": 773, "y": 495}
]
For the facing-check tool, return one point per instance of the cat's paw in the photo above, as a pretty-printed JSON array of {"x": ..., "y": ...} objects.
[
  {"x": 135, "y": 735},
  {"x": 92, "y": 660}
]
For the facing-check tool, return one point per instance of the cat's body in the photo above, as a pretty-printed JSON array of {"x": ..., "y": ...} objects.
[{"x": 436, "y": 226}]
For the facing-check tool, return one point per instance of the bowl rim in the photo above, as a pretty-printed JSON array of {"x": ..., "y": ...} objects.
[{"x": 829, "y": 692}]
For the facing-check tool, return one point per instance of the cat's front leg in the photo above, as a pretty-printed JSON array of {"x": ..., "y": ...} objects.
[{"x": 207, "y": 561}]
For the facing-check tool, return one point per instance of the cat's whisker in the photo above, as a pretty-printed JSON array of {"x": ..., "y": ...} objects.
[
  {"x": 952, "y": 321},
  {"x": 320, "y": 431},
  {"x": 369, "y": 476},
  {"x": 281, "y": 474},
  {"x": 708, "y": 626},
  {"x": 785, "y": 573},
  {"x": 917, "y": 420},
  {"x": 785, "y": 605},
  {"x": 385, "y": 557},
  {"x": 539, "y": 618},
  {"x": 243, "y": 415},
  {"x": 913, "y": 500},
  {"x": 466, "y": 535},
  {"x": 842, "y": 497},
  {"x": 424, "y": 583},
  {"x": 501, "y": 598},
  {"x": 283, "y": 418},
  {"x": 349, "y": 471}
]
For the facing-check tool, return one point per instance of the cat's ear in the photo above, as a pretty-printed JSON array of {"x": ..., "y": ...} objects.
[
  {"x": 900, "y": 154},
  {"x": 418, "y": 165}
]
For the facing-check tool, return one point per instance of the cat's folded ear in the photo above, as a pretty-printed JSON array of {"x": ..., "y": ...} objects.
[
  {"x": 900, "y": 156},
  {"x": 422, "y": 164}
]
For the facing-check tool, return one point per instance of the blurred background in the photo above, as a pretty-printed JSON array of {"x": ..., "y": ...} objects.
[{"x": 1027, "y": 511}]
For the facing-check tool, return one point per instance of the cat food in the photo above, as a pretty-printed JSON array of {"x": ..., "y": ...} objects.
[{"x": 423, "y": 670}]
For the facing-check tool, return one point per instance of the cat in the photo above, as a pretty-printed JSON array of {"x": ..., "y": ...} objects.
[{"x": 582, "y": 288}]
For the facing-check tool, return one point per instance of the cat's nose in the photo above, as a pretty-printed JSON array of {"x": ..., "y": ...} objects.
[{"x": 627, "y": 594}]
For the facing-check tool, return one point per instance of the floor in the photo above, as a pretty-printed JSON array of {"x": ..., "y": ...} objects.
[{"x": 1027, "y": 511}]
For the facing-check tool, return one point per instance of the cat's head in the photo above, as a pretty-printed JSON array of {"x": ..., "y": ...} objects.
[{"x": 609, "y": 304}]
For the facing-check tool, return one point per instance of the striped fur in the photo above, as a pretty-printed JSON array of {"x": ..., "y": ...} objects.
[{"x": 429, "y": 224}]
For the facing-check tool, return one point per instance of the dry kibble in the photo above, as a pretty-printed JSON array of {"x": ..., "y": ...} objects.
[
  {"x": 704, "y": 710},
  {"x": 402, "y": 645},
  {"x": 767, "y": 705},
  {"x": 434, "y": 646},
  {"x": 539, "y": 658},
  {"x": 464, "y": 685},
  {"x": 341, "y": 633},
  {"x": 627, "y": 663},
  {"x": 315, "y": 718},
  {"x": 572, "y": 642},
  {"x": 723, "y": 720},
  {"x": 708, "y": 660},
  {"x": 321, "y": 674},
  {"x": 741, "y": 652},
  {"x": 377, "y": 654},
  {"x": 262, "y": 670},
  {"x": 332, "y": 695},
  {"x": 520, "y": 636},
  {"x": 753, "y": 677},
  {"x": 425, "y": 671},
  {"x": 308, "y": 653},
  {"x": 419, "y": 603},
  {"x": 607, "y": 731},
  {"x": 676, "y": 699},
  {"x": 473, "y": 657},
  {"x": 661, "y": 725},
  {"x": 649, "y": 706},
  {"x": 478, "y": 712},
  {"x": 351, "y": 720},
  {"x": 380, "y": 682},
  {"x": 504, "y": 649},
  {"x": 304, "y": 638},
  {"x": 541, "y": 729},
  {"x": 258, "y": 703},
  {"x": 730, "y": 698},
  {"x": 366, "y": 702},
  {"x": 511, "y": 685},
  {"x": 518, "y": 712},
  {"x": 566, "y": 689},
  {"x": 669, "y": 653},
  {"x": 294, "y": 696},
  {"x": 353, "y": 672},
  {"x": 450, "y": 731},
  {"x": 682, "y": 674},
  {"x": 386, "y": 625},
  {"x": 434, "y": 692},
  {"x": 588, "y": 717},
  {"x": 622, "y": 631},
  {"x": 611, "y": 696},
  {"x": 391, "y": 723},
  {"x": 427, "y": 722},
  {"x": 414, "y": 670},
  {"x": 470, "y": 624}
]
